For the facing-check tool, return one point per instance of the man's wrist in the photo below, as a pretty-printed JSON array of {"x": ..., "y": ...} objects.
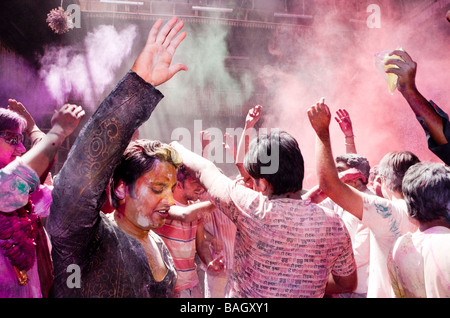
[
  {"x": 410, "y": 90},
  {"x": 59, "y": 132}
]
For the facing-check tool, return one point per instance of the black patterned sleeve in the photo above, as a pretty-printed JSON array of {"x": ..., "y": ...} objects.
[{"x": 79, "y": 187}]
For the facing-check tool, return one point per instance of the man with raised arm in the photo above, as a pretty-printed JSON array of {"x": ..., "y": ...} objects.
[
  {"x": 25, "y": 261},
  {"x": 285, "y": 246},
  {"x": 387, "y": 218},
  {"x": 432, "y": 119},
  {"x": 117, "y": 255}
]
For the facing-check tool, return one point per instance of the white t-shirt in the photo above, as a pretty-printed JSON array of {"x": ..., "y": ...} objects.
[
  {"x": 360, "y": 235},
  {"x": 387, "y": 221},
  {"x": 420, "y": 264}
]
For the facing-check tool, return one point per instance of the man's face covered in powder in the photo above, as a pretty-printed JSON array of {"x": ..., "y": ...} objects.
[{"x": 153, "y": 197}]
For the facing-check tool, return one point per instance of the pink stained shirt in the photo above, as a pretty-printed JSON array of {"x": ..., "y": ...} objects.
[
  {"x": 16, "y": 181},
  {"x": 284, "y": 247},
  {"x": 419, "y": 264},
  {"x": 387, "y": 220}
]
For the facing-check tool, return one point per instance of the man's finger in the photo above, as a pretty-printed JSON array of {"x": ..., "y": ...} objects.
[
  {"x": 405, "y": 56},
  {"x": 153, "y": 32},
  {"x": 172, "y": 33},
  {"x": 173, "y": 69},
  {"x": 396, "y": 62},
  {"x": 165, "y": 30},
  {"x": 394, "y": 70},
  {"x": 174, "y": 44}
]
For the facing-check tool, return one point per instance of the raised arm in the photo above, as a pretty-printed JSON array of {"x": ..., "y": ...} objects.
[
  {"x": 253, "y": 115},
  {"x": 205, "y": 170},
  {"x": 32, "y": 130},
  {"x": 153, "y": 64},
  {"x": 344, "y": 121},
  {"x": 345, "y": 196},
  {"x": 64, "y": 122},
  {"x": 191, "y": 212},
  {"x": 228, "y": 145},
  {"x": 406, "y": 72}
]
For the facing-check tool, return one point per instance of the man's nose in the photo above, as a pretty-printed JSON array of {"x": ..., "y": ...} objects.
[
  {"x": 20, "y": 149},
  {"x": 168, "y": 199}
]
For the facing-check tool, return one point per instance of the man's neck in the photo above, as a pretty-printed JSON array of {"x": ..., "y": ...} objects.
[
  {"x": 290, "y": 195},
  {"x": 180, "y": 198},
  {"x": 396, "y": 196},
  {"x": 427, "y": 225},
  {"x": 128, "y": 227}
]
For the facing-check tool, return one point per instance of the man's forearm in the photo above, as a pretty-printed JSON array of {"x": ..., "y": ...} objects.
[
  {"x": 343, "y": 195},
  {"x": 39, "y": 157},
  {"x": 422, "y": 108},
  {"x": 204, "y": 169},
  {"x": 326, "y": 170}
]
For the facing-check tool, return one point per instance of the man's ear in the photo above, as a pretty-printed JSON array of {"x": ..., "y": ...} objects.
[
  {"x": 119, "y": 190},
  {"x": 265, "y": 187}
]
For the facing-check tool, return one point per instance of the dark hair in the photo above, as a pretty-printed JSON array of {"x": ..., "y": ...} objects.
[
  {"x": 277, "y": 158},
  {"x": 10, "y": 120},
  {"x": 393, "y": 167},
  {"x": 426, "y": 190},
  {"x": 183, "y": 173},
  {"x": 139, "y": 158},
  {"x": 356, "y": 161},
  {"x": 373, "y": 173}
]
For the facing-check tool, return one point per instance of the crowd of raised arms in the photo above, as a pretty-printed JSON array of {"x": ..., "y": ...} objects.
[{"x": 128, "y": 217}]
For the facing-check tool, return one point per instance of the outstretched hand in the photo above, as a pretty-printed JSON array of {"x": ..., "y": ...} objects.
[
  {"x": 344, "y": 121},
  {"x": 20, "y": 109},
  {"x": 319, "y": 115},
  {"x": 253, "y": 115},
  {"x": 406, "y": 70},
  {"x": 216, "y": 266},
  {"x": 153, "y": 63},
  {"x": 66, "y": 120}
]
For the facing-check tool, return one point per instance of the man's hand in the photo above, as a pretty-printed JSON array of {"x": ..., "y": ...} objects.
[
  {"x": 228, "y": 145},
  {"x": 344, "y": 121},
  {"x": 66, "y": 120},
  {"x": 406, "y": 71},
  {"x": 216, "y": 244},
  {"x": 254, "y": 114},
  {"x": 216, "y": 266},
  {"x": 153, "y": 63},
  {"x": 319, "y": 115},
  {"x": 20, "y": 109},
  {"x": 205, "y": 138}
]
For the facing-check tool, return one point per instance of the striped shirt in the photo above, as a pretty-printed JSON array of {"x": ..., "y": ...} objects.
[
  {"x": 220, "y": 226},
  {"x": 179, "y": 238},
  {"x": 284, "y": 247}
]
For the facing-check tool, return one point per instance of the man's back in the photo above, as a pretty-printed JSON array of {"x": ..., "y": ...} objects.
[
  {"x": 419, "y": 264},
  {"x": 284, "y": 247}
]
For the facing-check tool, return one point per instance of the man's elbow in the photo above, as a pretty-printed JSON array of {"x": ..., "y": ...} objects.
[
  {"x": 328, "y": 184},
  {"x": 348, "y": 283}
]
